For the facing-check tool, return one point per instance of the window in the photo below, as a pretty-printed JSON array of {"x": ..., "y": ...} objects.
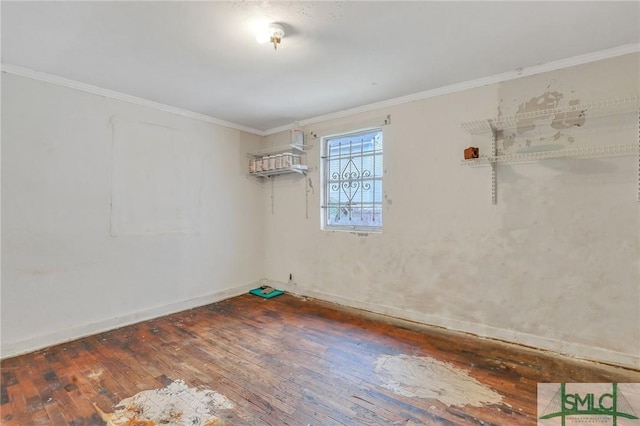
[{"x": 352, "y": 181}]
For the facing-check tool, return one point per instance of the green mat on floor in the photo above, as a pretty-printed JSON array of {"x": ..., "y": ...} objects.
[{"x": 266, "y": 292}]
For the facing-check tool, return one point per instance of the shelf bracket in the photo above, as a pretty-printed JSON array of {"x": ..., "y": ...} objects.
[{"x": 494, "y": 152}]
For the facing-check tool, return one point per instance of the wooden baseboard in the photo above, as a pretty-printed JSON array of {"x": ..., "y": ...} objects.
[
  {"x": 34, "y": 343},
  {"x": 574, "y": 350}
]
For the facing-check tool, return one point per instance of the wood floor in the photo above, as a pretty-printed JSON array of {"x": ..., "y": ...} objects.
[{"x": 283, "y": 361}]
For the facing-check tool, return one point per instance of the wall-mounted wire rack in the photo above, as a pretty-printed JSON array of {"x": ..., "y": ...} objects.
[
  {"x": 299, "y": 150},
  {"x": 602, "y": 108},
  {"x": 300, "y": 168},
  {"x": 585, "y": 152},
  {"x": 592, "y": 109}
]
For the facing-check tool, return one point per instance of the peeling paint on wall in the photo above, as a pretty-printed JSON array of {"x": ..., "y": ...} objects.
[
  {"x": 425, "y": 377},
  {"x": 547, "y": 100},
  {"x": 177, "y": 404},
  {"x": 531, "y": 125},
  {"x": 566, "y": 120}
]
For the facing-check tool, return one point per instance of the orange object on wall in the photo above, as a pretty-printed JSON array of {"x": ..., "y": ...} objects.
[{"x": 471, "y": 152}]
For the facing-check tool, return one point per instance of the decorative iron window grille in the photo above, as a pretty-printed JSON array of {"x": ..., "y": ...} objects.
[{"x": 352, "y": 195}]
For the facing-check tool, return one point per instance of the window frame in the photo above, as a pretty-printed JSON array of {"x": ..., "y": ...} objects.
[{"x": 325, "y": 208}]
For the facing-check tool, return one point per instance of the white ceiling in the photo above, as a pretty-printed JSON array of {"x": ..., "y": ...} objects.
[{"x": 203, "y": 57}]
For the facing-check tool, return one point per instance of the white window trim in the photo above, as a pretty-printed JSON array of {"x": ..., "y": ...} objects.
[{"x": 323, "y": 180}]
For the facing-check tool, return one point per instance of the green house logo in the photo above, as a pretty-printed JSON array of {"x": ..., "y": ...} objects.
[{"x": 610, "y": 404}]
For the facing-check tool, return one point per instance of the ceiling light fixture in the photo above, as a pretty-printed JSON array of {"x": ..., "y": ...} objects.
[{"x": 273, "y": 33}]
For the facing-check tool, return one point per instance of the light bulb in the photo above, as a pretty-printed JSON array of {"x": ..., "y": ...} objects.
[{"x": 263, "y": 35}]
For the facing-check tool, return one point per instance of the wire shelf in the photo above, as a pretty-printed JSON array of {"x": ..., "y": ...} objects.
[
  {"x": 296, "y": 149},
  {"x": 599, "y": 108},
  {"x": 302, "y": 169},
  {"x": 584, "y": 152}
]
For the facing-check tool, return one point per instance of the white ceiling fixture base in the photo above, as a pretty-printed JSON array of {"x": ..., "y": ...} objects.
[{"x": 273, "y": 34}]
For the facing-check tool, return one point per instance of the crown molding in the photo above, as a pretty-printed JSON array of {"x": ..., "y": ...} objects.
[
  {"x": 458, "y": 87},
  {"x": 472, "y": 84},
  {"x": 72, "y": 84}
]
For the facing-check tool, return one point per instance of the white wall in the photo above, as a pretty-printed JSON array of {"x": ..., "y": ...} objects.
[
  {"x": 64, "y": 273},
  {"x": 555, "y": 264}
]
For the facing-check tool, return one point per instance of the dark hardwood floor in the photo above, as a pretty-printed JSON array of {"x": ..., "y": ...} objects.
[{"x": 283, "y": 361}]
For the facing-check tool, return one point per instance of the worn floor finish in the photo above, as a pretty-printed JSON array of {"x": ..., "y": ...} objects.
[{"x": 290, "y": 361}]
